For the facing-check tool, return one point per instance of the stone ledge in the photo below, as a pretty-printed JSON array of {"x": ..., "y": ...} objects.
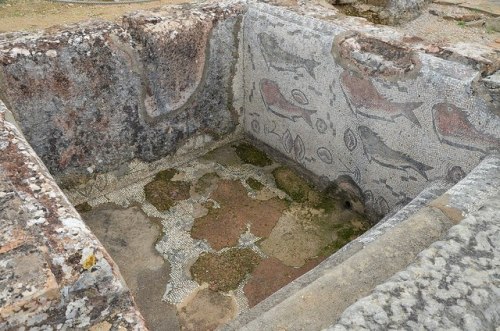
[
  {"x": 53, "y": 269},
  {"x": 452, "y": 285}
]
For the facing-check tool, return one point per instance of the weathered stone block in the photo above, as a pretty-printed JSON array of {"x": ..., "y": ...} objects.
[
  {"x": 27, "y": 283},
  {"x": 383, "y": 11}
]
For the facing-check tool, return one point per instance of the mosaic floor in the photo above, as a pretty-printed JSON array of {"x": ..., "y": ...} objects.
[{"x": 202, "y": 242}]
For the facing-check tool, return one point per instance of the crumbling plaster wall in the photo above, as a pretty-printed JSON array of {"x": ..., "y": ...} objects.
[
  {"x": 92, "y": 97},
  {"x": 341, "y": 102}
]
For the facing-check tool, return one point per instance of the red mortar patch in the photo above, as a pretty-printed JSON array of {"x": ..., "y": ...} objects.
[
  {"x": 271, "y": 275},
  {"x": 222, "y": 227}
]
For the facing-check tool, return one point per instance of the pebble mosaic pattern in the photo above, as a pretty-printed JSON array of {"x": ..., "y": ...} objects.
[{"x": 219, "y": 170}]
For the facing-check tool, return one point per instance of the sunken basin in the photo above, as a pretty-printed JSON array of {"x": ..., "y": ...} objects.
[{"x": 246, "y": 166}]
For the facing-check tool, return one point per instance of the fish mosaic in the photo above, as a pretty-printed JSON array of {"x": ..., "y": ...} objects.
[
  {"x": 375, "y": 149},
  {"x": 364, "y": 99},
  {"x": 276, "y": 57},
  {"x": 277, "y": 104},
  {"x": 370, "y": 127},
  {"x": 453, "y": 128}
]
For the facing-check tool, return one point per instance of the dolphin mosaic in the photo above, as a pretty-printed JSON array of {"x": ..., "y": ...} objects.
[
  {"x": 453, "y": 128},
  {"x": 367, "y": 100},
  {"x": 279, "y": 59},
  {"x": 375, "y": 149},
  {"x": 277, "y": 104}
]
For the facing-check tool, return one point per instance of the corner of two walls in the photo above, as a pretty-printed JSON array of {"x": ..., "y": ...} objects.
[
  {"x": 93, "y": 97},
  {"x": 339, "y": 102}
]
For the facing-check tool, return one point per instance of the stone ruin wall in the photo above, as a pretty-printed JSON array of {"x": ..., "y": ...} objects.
[
  {"x": 364, "y": 103},
  {"x": 337, "y": 99},
  {"x": 92, "y": 97},
  {"x": 53, "y": 270}
]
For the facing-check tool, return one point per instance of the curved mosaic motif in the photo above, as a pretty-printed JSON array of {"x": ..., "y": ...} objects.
[
  {"x": 375, "y": 149},
  {"x": 287, "y": 141},
  {"x": 277, "y": 104},
  {"x": 350, "y": 140},
  {"x": 300, "y": 97},
  {"x": 299, "y": 148},
  {"x": 325, "y": 155},
  {"x": 367, "y": 100}
]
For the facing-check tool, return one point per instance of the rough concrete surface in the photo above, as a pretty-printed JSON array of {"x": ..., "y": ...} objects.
[{"x": 130, "y": 236}]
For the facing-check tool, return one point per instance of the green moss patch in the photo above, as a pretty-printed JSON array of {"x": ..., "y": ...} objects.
[
  {"x": 254, "y": 184},
  {"x": 205, "y": 182},
  {"x": 224, "y": 271},
  {"x": 291, "y": 183},
  {"x": 346, "y": 233},
  {"x": 295, "y": 186},
  {"x": 301, "y": 191},
  {"x": 318, "y": 223},
  {"x": 249, "y": 154},
  {"x": 162, "y": 192},
  {"x": 166, "y": 175},
  {"x": 83, "y": 207}
]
